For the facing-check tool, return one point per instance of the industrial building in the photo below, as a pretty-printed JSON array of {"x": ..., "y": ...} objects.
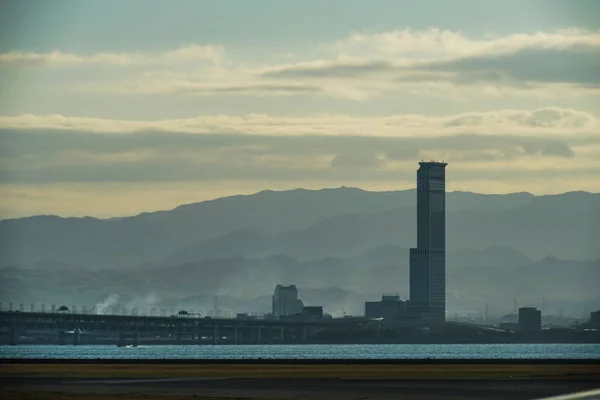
[
  {"x": 593, "y": 323},
  {"x": 286, "y": 301},
  {"x": 428, "y": 259},
  {"x": 390, "y": 308},
  {"x": 312, "y": 312},
  {"x": 530, "y": 319}
]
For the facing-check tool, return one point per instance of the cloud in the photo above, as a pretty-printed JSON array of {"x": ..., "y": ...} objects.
[
  {"x": 542, "y": 121},
  {"x": 207, "y": 88},
  {"x": 405, "y": 151},
  {"x": 362, "y": 66},
  {"x": 435, "y": 42},
  {"x": 444, "y": 59},
  {"x": 267, "y": 88},
  {"x": 46, "y": 149},
  {"x": 113, "y": 148},
  {"x": 577, "y": 70},
  {"x": 183, "y": 54},
  {"x": 50, "y": 149},
  {"x": 547, "y": 117},
  {"x": 357, "y": 160},
  {"x": 41, "y": 152},
  {"x": 346, "y": 69},
  {"x": 206, "y": 166},
  {"x": 563, "y": 65},
  {"x": 558, "y": 149}
]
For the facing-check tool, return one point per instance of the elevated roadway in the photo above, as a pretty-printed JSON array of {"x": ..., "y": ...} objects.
[{"x": 70, "y": 327}]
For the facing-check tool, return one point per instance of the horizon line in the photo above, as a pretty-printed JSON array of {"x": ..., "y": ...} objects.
[{"x": 281, "y": 191}]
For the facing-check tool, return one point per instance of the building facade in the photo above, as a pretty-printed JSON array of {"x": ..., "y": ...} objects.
[
  {"x": 312, "y": 312},
  {"x": 530, "y": 319},
  {"x": 390, "y": 308},
  {"x": 428, "y": 259},
  {"x": 286, "y": 301}
]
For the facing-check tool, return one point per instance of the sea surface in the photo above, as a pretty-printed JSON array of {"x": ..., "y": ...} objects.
[{"x": 394, "y": 351}]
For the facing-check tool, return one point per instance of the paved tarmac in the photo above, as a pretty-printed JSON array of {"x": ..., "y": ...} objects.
[{"x": 309, "y": 389}]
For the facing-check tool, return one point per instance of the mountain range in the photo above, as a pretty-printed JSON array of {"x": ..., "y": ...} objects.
[
  {"x": 305, "y": 225},
  {"x": 346, "y": 241},
  {"x": 244, "y": 284}
]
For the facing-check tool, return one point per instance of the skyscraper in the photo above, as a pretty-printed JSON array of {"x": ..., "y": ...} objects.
[{"x": 428, "y": 260}]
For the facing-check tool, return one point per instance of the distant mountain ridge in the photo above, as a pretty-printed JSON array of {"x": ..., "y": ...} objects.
[
  {"x": 305, "y": 225},
  {"x": 535, "y": 231},
  {"x": 472, "y": 282}
]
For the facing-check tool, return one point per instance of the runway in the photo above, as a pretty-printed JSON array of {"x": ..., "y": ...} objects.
[{"x": 310, "y": 389}]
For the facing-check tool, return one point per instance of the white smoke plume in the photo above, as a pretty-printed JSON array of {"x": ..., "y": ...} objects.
[
  {"x": 105, "y": 305},
  {"x": 145, "y": 301}
]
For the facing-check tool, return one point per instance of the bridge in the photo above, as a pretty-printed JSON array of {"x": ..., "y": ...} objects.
[{"x": 77, "y": 328}]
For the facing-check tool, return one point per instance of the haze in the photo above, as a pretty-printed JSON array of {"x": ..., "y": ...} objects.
[{"x": 116, "y": 110}]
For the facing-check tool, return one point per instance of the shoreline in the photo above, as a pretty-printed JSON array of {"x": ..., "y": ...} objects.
[
  {"x": 315, "y": 343},
  {"x": 303, "y": 361}
]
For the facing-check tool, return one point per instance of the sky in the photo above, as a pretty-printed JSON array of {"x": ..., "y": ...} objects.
[{"x": 111, "y": 108}]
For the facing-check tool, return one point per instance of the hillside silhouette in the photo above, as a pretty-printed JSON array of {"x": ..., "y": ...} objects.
[
  {"x": 305, "y": 225},
  {"x": 340, "y": 246}
]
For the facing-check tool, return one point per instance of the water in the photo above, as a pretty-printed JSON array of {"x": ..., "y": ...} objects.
[{"x": 394, "y": 351}]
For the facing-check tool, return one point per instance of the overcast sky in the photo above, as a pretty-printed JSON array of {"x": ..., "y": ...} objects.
[{"x": 117, "y": 107}]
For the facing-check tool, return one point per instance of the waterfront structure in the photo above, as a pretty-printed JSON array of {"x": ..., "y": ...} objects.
[
  {"x": 390, "y": 308},
  {"x": 286, "y": 301},
  {"x": 312, "y": 312},
  {"x": 530, "y": 319},
  {"x": 68, "y": 328},
  {"x": 428, "y": 259}
]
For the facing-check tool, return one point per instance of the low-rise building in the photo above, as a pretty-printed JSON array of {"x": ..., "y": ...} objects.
[
  {"x": 390, "y": 308},
  {"x": 312, "y": 312}
]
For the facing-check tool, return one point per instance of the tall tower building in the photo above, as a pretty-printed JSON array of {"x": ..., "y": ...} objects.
[{"x": 428, "y": 260}]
